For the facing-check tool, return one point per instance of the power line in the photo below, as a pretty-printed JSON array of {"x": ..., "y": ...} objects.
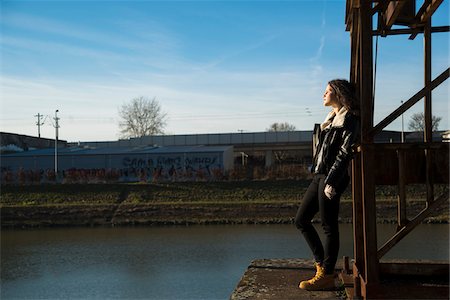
[{"x": 306, "y": 113}]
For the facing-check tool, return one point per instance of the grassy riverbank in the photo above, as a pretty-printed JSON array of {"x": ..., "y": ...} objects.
[
  {"x": 179, "y": 192},
  {"x": 179, "y": 203}
]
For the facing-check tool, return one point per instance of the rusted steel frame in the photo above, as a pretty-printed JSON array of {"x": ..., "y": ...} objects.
[
  {"x": 358, "y": 233},
  {"x": 435, "y": 29},
  {"x": 352, "y": 22},
  {"x": 346, "y": 265},
  {"x": 366, "y": 70},
  {"x": 410, "y": 146},
  {"x": 422, "y": 10},
  {"x": 411, "y": 225},
  {"x": 367, "y": 290},
  {"x": 401, "y": 205},
  {"x": 350, "y": 8},
  {"x": 354, "y": 48},
  {"x": 391, "y": 13},
  {"x": 419, "y": 19},
  {"x": 429, "y": 176},
  {"x": 348, "y": 14},
  {"x": 429, "y": 9},
  {"x": 410, "y": 102},
  {"x": 356, "y": 283},
  {"x": 380, "y": 6},
  {"x": 428, "y": 130},
  {"x": 371, "y": 272},
  {"x": 414, "y": 267}
]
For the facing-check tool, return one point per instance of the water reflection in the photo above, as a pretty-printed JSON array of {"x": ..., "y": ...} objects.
[{"x": 196, "y": 262}]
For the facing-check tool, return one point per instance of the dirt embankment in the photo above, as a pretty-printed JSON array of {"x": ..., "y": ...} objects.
[{"x": 186, "y": 203}]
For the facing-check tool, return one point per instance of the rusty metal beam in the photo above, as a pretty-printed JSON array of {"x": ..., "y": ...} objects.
[
  {"x": 379, "y": 8},
  {"x": 366, "y": 71},
  {"x": 365, "y": 84},
  {"x": 411, "y": 225},
  {"x": 392, "y": 12},
  {"x": 401, "y": 205},
  {"x": 413, "y": 267},
  {"x": 429, "y": 10},
  {"x": 351, "y": 7},
  {"x": 410, "y": 102},
  {"x": 435, "y": 29},
  {"x": 356, "y": 283},
  {"x": 428, "y": 131},
  {"x": 411, "y": 146},
  {"x": 371, "y": 274},
  {"x": 358, "y": 233},
  {"x": 421, "y": 10},
  {"x": 354, "y": 48}
]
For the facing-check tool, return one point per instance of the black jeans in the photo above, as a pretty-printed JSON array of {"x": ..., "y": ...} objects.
[{"x": 314, "y": 201}]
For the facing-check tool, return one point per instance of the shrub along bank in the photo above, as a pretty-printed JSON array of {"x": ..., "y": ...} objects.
[{"x": 180, "y": 203}]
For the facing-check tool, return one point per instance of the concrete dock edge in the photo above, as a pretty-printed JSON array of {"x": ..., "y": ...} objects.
[{"x": 279, "y": 279}]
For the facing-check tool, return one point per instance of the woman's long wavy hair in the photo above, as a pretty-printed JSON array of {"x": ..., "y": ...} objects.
[{"x": 346, "y": 94}]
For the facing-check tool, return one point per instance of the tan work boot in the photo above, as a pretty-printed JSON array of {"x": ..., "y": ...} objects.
[{"x": 320, "y": 281}]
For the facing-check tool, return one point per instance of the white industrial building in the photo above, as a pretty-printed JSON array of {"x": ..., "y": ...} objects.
[
  {"x": 163, "y": 160},
  {"x": 169, "y": 154}
]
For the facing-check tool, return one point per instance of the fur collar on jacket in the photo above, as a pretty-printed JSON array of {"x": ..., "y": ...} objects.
[{"x": 334, "y": 119}]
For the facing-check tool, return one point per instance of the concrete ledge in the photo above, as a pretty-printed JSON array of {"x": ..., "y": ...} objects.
[{"x": 279, "y": 279}]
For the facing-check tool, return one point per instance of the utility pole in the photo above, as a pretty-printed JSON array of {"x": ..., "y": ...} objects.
[
  {"x": 56, "y": 142},
  {"x": 38, "y": 123}
]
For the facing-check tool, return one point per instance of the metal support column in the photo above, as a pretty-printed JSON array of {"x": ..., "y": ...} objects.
[
  {"x": 428, "y": 130},
  {"x": 371, "y": 268}
]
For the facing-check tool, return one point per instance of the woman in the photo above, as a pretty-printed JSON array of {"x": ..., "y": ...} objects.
[{"x": 333, "y": 142}]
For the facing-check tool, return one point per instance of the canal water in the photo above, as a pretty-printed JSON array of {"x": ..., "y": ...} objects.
[{"x": 174, "y": 262}]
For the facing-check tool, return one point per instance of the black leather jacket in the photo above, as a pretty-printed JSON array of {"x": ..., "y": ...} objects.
[{"x": 333, "y": 141}]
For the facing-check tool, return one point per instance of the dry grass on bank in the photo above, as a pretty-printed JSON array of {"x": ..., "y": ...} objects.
[{"x": 270, "y": 191}]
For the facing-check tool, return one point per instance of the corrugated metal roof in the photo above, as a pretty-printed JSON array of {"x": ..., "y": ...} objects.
[
  {"x": 119, "y": 150},
  {"x": 213, "y": 139}
]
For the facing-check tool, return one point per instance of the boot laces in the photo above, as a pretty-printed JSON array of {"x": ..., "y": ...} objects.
[{"x": 320, "y": 273}]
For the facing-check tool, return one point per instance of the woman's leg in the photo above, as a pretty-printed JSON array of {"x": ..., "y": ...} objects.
[
  {"x": 308, "y": 208},
  {"x": 329, "y": 213}
]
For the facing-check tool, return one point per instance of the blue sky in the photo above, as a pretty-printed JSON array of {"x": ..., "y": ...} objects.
[{"x": 214, "y": 66}]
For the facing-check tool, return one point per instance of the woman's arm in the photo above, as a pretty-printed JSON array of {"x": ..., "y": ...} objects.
[{"x": 345, "y": 153}]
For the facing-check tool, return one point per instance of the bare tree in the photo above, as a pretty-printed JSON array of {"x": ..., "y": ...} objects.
[
  {"x": 277, "y": 127},
  {"x": 417, "y": 122},
  {"x": 141, "y": 116},
  {"x": 281, "y": 155}
]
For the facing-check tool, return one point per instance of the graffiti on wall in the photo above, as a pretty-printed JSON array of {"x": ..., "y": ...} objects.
[
  {"x": 170, "y": 166},
  {"x": 191, "y": 166}
]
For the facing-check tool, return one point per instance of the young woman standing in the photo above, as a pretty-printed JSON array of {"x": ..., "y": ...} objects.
[{"x": 333, "y": 142}]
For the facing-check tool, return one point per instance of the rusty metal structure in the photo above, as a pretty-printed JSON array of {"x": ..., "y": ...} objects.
[{"x": 431, "y": 159}]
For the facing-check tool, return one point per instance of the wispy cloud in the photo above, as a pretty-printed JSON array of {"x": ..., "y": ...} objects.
[
  {"x": 123, "y": 41},
  {"x": 42, "y": 46},
  {"x": 247, "y": 48},
  {"x": 316, "y": 58},
  {"x": 119, "y": 37}
]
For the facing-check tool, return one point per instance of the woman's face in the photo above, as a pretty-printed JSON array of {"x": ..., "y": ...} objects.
[{"x": 329, "y": 97}]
